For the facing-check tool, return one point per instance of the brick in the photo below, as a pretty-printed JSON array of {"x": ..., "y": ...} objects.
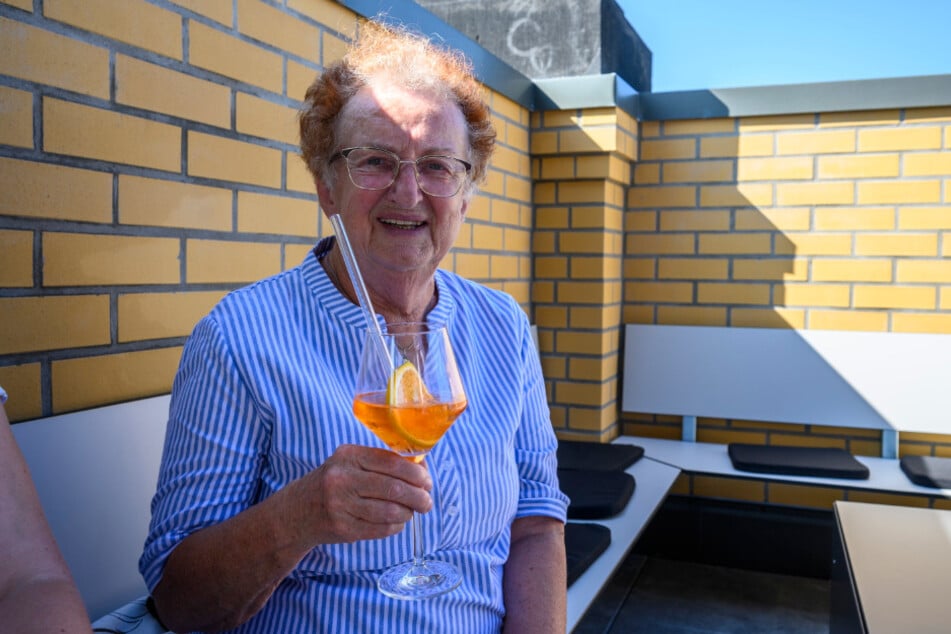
[
  {"x": 227, "y": 159},
  {"x": 924, "y": 271},
  {"x": 472, "y": 265},
  {"x": 36, "y": 55},
  {"x": 665, "y": 292},
  {"x": 922, "y": 322},
  {"x": 262, "y": 213},
  {"x": 729, "y": 488},
  {"x": 734, "y": 244},
  {"x": 692, "y": 315},
  {"x": 928, "y": 164},
  {"x": 26, "y": 5},
  {"x": 40, "y": 323},
  {"x": 910, "y": 297},
  {"x": 587, "y": 292},
  {"x": 872, "y": 321},
  {"x": 928, "y": 115},
  {"x": 774, "y": 168},
  {"x": 802, "y": 495},
  {"x": 670, "y": 244},
  {"x": 23, "y": 385},
  {"x": 835, "y": 295},
  {"x": 776, "y": 269},
  {"x": 662, "y": 197},
  {"x": 596, "y": 117},
  {"x": 221, "y": 261},
  {"x": 602, "y": 317},
  {"x": 297, "y": 176},
  {"x": 581, "y": 192},
  {"x": 16, "y": 259},
  {"x": 899, "y": 192},
  {"x": 700, "y": 220},
  {"x": 226, "y": 55},
  {"x": 161, "y": 203},
  {"x": 78, "y": 130},
  {"x": 814, "y": 244},
  {"x": 773, "y": 317},
  {"x": 594, "y": 268},
  {"x": 544, "y": 142},
  {"x": 159, "y": 89},
  {"x": 647, "y": 174},
  {"x": 89, "y": 381},
  {"x": 897, "y": 244},
  {"x": 145, "y": 316},
  {"x": 902, "y": 138},
  {"x": 859, "y": 166},
  {"x": 851, "y": 270},
  {"x": 733, "y": 293},
  {"x": 486, "y": 237},
  {"x": 739, "y": 195},
  {"x": 508, "y": 160},
  {"x": 834, "y": 193},
  {"x": 587, "y": 369},
  {"x": 855, "y": 219},
  {"x": 707, "y": 171},
  {"x": 131, "y": 21},
  {"x": 80, "y": 259},
  {"x": 699, "y": 126},
  {"x": 217, "y": 10},
  {"x": 299, "y": 79},
  {"x": 772, "y": 219},
  {"x": 777, "y": 122},
  {"x": 747, "y": 145},
  {"x": 16, "y": 113},
  {"x": 693, "y": 268},
  {"x": 504, "y": 267},
  {"x": 279, "y": 29},
  {"x": 327, "y": 12},
  {"x": 39, "y": 190},
  {"x": 666, "y": 149},
  {"x": 809, "y": 143},
  {"x": 924, "y": 218},
  {"x": 588, "y": 140}
]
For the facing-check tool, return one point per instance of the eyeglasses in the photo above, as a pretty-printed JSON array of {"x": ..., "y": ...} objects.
[{"x": 373, "y": 168}]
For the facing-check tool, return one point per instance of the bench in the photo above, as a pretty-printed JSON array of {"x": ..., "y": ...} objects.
[
  {"x": 887, "y": 382},
  {"x": 95, "y": 473}
]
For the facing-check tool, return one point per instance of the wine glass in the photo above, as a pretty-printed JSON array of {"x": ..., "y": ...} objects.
[{"x": 408, "y": 393}]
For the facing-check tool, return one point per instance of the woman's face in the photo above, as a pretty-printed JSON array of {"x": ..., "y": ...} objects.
[{"x": 399, "y": 229}]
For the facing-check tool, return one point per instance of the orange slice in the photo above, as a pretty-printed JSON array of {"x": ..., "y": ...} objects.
[{"x": 405, "y": 392}]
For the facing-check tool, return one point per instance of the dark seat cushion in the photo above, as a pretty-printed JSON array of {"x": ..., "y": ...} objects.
[
  {"x": 928, "y": 471},
  {"x": 825, "y": 462},
  {"x": 584, "y": 543},
  {"x": 574, "y": 454},
  {"x": 595, "y": 494}
]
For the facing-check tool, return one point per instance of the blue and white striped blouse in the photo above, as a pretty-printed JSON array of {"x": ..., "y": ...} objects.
[{"x": 263, "y": 395}]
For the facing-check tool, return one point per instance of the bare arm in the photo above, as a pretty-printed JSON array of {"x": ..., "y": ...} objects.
[
  {"x": 37, "y": 593},
  {"x": 219, "y": 577},
  {"x": 535, "y": 578}
]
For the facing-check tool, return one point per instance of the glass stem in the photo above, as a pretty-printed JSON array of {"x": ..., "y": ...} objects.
[{"x": 418, "y": 554}]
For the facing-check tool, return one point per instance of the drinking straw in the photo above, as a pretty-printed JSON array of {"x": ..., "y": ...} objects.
[{"x": 357, "y": 281}]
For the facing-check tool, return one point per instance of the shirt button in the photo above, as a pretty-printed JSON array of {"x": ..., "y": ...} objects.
[{"x": 452, "y": 510}]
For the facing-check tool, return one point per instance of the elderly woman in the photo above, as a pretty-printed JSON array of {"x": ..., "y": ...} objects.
[{"x": 276, "y": 511}]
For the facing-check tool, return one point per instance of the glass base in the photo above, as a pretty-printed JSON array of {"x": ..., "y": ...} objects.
[{"x": 412, "y": 582}]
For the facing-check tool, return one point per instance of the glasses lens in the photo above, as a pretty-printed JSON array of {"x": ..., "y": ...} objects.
[
  {"x": 439, "y": 175},
  {"x": 371, "y": 169}
]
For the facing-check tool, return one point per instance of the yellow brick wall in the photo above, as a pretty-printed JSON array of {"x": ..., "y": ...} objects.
[
  {"x": 148, "y": 165},
  {"x": 834, "y": 221}
]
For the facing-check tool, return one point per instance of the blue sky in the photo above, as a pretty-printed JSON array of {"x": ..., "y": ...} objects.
[{"x": 699, "y": 44}]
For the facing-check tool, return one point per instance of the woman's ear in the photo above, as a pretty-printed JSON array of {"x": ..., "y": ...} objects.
[{"x": 326, "y": 197}]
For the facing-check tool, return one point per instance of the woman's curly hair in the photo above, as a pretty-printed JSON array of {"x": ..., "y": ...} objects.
[{"x": 383, "y": 51}]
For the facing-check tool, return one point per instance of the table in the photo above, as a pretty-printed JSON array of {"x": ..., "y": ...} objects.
[{"x": 891, "y": 569}]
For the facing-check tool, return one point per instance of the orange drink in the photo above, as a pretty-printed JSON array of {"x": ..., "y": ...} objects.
[{"x": 410, "y": 430}]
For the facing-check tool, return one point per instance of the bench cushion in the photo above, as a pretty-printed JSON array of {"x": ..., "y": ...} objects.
[
  {"x": 824, "y": 462},
  {"x": 595, "y": 494},
  {"x": 575, "y": 454},
  {"x": 928, "y": 471},
  {"x": 584, "y": 543}
]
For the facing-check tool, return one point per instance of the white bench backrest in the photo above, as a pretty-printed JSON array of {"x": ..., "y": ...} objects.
[
  {"x": 95, "y": 472},
  {"x": 889, "y": 381}
]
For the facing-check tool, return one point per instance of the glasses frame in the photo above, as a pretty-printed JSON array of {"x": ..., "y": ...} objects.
[{"x": 345, "y": 154}]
